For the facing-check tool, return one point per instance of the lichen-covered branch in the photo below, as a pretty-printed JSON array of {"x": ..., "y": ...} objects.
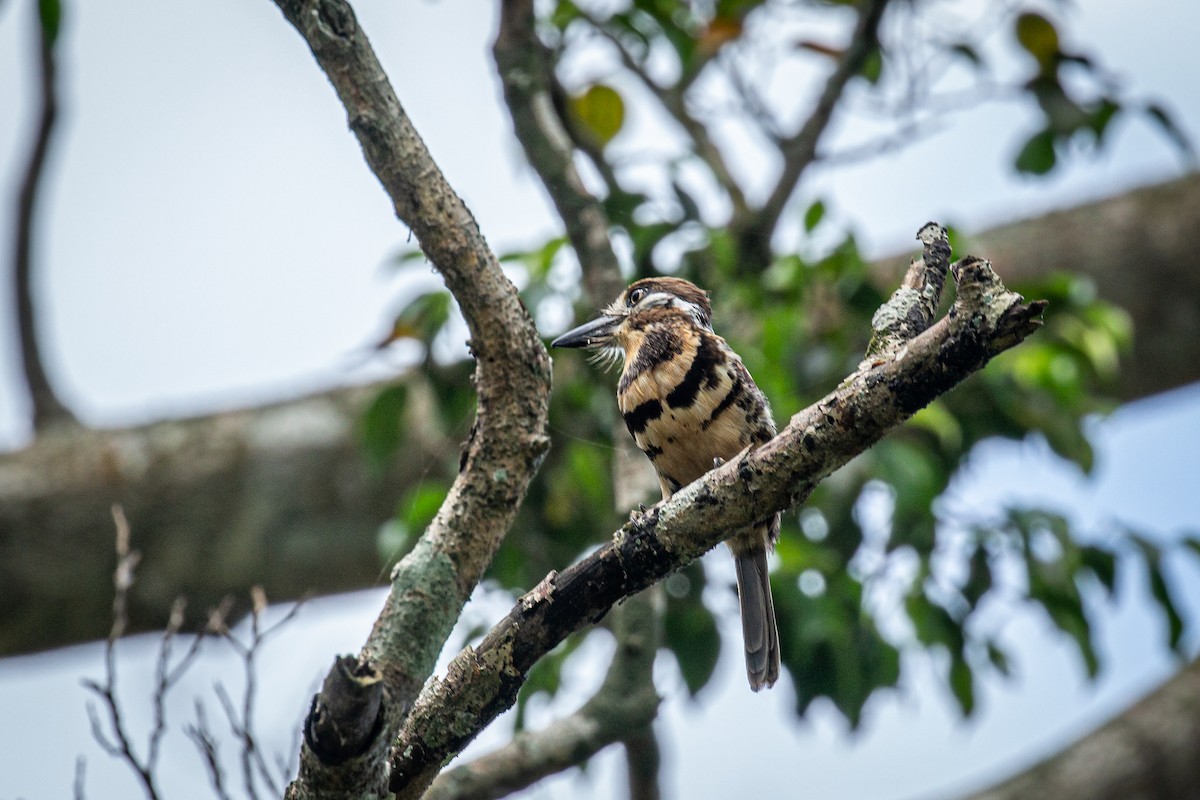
[
  {"x": 483, "y": 681},
  {"x": 625, "y": 699},
  {"x": 512, "y": 382}
]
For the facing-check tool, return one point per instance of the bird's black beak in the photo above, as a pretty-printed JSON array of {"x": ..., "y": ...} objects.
[{"x": 596, "y": 333}]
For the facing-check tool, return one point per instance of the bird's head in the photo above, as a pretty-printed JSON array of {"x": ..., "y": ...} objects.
[{"x": 644, "y": 303}]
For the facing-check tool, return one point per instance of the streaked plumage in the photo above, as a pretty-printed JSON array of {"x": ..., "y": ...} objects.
[{"x": 688, "y": 400}]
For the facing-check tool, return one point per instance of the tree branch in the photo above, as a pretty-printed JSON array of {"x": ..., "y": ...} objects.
[
  {"x": 482, "y": 682},
  {"x": 512, "y": 382},
  {"x": 47, "y": 408},
  {"x": 626, "y": 699},
  {"x": 527, "y": 76},
  {"x": 1147, "y": 752},
  {"x": 643, "y": 759},
  {"x": 674, "y": 101},
  {"x": 800, "y": 149}
]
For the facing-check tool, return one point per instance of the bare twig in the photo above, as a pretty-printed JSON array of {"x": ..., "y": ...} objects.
[
  {"x": 117, "y": 741},
  {"x": 47, "y": 408},
  {"x": 206, "y": 743},
  {"x": 254, "y": 766},
  {"x": 643, "y": 759},
  {"x": 79, "y": 787},
  {"x": 112, "y": 734},
  {"x": 166, "y": 676}
]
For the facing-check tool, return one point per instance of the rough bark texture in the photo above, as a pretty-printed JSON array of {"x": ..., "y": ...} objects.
[
  {"x": 280, "y": 496},
  {"x": 1140, "y": 248},
  {"x": 220, "y": 502},
  {"x": 1147, "y": 753}
]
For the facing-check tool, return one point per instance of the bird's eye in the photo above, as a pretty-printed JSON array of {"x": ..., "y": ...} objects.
[{"x": 636, "y": 296}]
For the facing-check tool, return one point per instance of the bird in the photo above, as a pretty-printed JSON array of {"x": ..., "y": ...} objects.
[{"x": 690, "y": 404}]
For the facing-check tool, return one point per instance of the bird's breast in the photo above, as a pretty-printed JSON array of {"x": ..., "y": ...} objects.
[{"x": 687, "y": 400}]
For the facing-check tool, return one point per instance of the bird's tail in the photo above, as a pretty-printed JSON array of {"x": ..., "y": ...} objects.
[{"x": 759, "y": 631}]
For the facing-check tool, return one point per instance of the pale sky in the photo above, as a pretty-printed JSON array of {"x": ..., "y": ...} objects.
[{"x": 212, "y": 238}]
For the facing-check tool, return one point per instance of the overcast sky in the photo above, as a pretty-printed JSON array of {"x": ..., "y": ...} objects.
[{"x": 212, "y": 238}]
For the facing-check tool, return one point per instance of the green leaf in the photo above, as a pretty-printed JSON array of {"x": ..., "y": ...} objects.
[
  {"x": 421, "y": 503},
  {"x": 564, "y": 13},
  {"x": 1153, "y": 558},
  {"x": 601, "y": 112},
  {"x": 1192, "y": 542},
  {"x": 545, "y": 676},
  {"x": 1102, "y": 564},
  {"x": 813, "y": 216},
  {"x": 979, "y": 577},
  {"x": 999, "y": 658},
  {"x": 422, "y": 318},
  {"x": 1037, "y": 156},
  {"x": 1160, "y": 116},
  {"x": 382, "y": 430},
  {"x": 690, "y": 631},
  {"x": 50, "y": 14},
  {"x": 1102, "y": 115},
  {"x": 962, "y": 684},
  {"x": 933, "y": 624},
  {"x": 967, "y": 52},
  {"x": 872, "y": 68}
]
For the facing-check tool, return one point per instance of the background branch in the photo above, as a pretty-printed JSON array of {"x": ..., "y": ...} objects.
[
  {"x": 800, "y": 149},
  {"x": 626, "y": 698},
  {"x": 1145, "y": 753},
  {"x": 528, "y": 80},
  {"x": 47, "y": 408},
  {"x": 197, "y": 489}
]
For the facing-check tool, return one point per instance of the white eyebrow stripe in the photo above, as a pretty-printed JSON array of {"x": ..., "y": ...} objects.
[
  {"x": 668, "y": 300},
  {"x": 686, "y": 305}
]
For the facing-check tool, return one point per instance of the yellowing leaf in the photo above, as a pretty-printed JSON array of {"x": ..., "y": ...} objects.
[
  {"x": 718, "y": 33},
  {"x": 1038, "y": 36},
  {"x": 601, "y": 111}
]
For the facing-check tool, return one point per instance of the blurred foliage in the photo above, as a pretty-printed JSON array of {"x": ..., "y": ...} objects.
[{"x": 875, "y": 564}]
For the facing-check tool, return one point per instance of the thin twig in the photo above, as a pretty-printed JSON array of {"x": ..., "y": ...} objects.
[
  {"x": 800, "y": 149},
  {"x": 241, "y": 722},
  {"x": 117, "y": 742},
  {"x": 206, "y": 743},
  {"x": 674, "y": 101}
]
